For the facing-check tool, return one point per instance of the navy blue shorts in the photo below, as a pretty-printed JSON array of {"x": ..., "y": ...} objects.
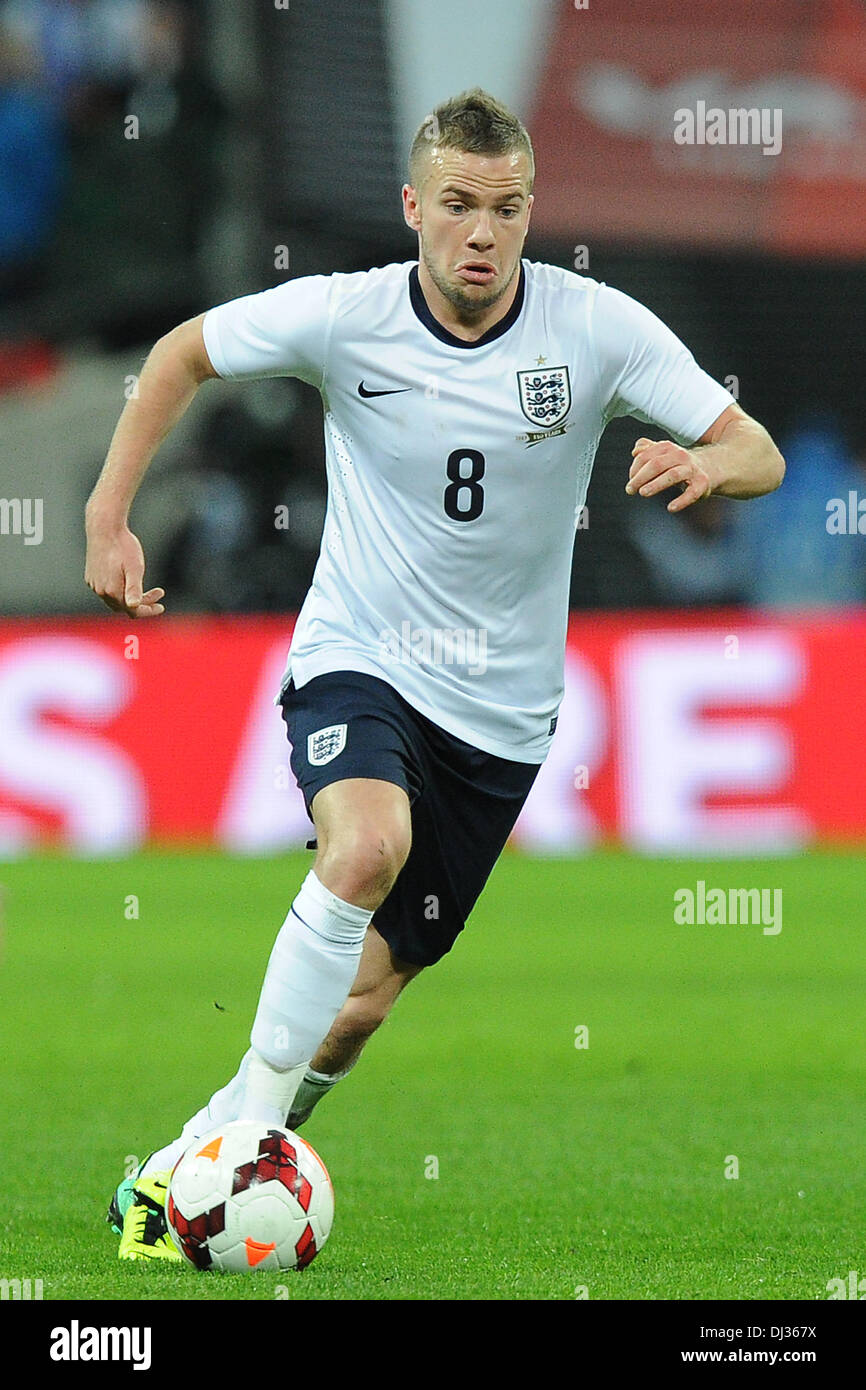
[{"x": 464, "y": 802}]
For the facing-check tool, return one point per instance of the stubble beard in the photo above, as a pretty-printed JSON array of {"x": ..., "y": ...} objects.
[{"x": 468, "y": 306}]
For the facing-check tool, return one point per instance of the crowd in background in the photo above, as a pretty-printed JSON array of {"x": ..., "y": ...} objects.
[
  {"x": 107, "y": 165},
  {"x": 101, "y": 241}
]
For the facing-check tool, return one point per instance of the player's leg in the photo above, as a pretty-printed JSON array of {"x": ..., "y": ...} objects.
[
  {"x": 466, "y": 808},
  {"x": 366, "y": 827},
  {"x": 316, "y": 955},
  {"x": 380, "y": 979},
  {"x": 363, "y": 835},
  {"x": 312, "y": 967}
]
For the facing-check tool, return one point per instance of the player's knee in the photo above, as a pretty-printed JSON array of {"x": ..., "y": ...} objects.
[{"x": 364, "y": 863}]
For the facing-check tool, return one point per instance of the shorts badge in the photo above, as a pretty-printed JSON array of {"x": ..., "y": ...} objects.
[{"x": 325, "y": 744}]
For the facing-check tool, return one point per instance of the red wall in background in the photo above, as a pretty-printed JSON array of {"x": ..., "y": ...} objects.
[
  {"x": 604, "y": 118},
  {"x": 678, "y": 733}
]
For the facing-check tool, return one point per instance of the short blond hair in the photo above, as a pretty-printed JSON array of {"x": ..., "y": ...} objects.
[{"x": 475, "y": 123}]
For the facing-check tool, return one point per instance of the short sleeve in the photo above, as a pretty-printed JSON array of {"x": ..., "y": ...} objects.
[
  {"x": 278, "y": 332},
  {"x": 646, "y": 371}
]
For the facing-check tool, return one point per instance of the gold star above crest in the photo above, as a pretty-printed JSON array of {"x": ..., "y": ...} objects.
[{"x": 541, "y": 361}]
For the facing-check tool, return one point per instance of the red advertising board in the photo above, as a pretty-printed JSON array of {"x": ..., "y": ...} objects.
[
  {"x": 679, "y": 734},
  {"x": 725, "y": 124}
]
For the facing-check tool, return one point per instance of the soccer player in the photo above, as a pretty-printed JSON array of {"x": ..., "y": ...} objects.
[{"x": 464, "y": 397}]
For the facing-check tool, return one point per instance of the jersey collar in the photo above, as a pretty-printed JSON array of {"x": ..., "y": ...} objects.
[{"x": 422, "y": 310}]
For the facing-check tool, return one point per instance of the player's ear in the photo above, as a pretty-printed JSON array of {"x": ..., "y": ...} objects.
[
  {"x": 411, "y": 207},
  {"x": 530, "y": 200}
]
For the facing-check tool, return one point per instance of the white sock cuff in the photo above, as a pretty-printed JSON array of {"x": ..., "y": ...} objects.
[
  {"x": 352, "y": 922},
  {"x": 323, "y": 1078}
]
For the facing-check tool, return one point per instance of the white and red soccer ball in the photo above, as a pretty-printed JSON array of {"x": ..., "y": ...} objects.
[{"x": 247, "y": 1197}]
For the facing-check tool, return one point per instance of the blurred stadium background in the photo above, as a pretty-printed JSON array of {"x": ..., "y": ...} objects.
[{"x": 157, "y": 157}]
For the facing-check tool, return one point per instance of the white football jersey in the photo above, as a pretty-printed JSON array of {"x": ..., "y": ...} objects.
[{"x": 456, "y": 476}]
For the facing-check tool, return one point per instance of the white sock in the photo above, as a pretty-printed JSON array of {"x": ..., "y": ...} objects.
[{"x": 311, "y": 969}]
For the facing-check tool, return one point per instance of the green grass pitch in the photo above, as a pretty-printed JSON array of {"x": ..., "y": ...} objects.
[{"x": 563, "y": 1171}]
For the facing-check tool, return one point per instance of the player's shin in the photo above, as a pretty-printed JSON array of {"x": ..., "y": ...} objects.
[{"x": 310, "y": 972}]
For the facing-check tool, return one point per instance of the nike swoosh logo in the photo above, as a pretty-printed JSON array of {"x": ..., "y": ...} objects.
[{"x": 397, "y": 391}]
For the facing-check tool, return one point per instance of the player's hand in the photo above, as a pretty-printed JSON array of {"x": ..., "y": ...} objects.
[
  {"x": 660, "y": 464},
  {"x": 114, "y": 570}
]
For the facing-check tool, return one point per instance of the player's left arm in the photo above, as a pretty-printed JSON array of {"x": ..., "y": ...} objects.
[{"x": 735, "y": 457}]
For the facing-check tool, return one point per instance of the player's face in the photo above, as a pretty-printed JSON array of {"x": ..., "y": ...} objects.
[{"x": 471, "y": 213}]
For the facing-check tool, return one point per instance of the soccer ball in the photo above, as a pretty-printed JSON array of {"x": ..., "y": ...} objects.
[{"x": 246, "y": 1196}]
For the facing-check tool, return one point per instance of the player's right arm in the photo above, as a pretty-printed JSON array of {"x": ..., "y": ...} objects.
[{"x": 170, "y": 378}]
